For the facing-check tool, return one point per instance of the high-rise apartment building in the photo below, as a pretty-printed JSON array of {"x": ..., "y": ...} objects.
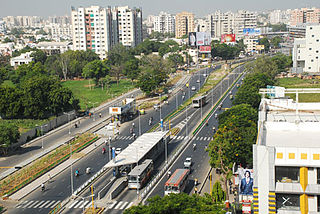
[
  {"x": 184, "y": 24},
  {"x": 99, "y": 29},
  {"x": 231, "y": 23},
  {"x": 279, "y": 16},
  {"x": 304, "y": 15},
  {"x": 164, "y": 23}
]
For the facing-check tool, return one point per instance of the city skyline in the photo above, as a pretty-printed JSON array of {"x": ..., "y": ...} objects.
[{"x": 60, "y": 7}]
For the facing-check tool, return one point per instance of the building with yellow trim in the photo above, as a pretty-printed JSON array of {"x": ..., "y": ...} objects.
[{"x": 286, "y": 158}]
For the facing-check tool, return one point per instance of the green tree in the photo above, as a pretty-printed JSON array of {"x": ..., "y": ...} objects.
[
  {"x": 95, "y": 69},
  {"x": 218, "y": 195},
  {"x": 279, "y": 27},
  {"x": 11, "y": 105},
  {"x": 264, "y": 41},
  {"x": 39, "y": 56},
  {"x": 131, "y": 69},
  {"x": 9, "y": 134},
  {"x": 275, "y": 41}
]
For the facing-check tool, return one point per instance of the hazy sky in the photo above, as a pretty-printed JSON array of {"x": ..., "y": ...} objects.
[{"x": 198, "y": 7}]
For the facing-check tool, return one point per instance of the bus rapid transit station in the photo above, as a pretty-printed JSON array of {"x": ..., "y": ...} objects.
[{"x": 146, "y": 146}]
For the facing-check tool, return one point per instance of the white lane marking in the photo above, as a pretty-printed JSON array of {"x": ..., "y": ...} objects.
[
  {"x": 39, "y": 204},
  {"x": 124, "y": 205},
  {"x": 84, "y": 204},
  {"x": 22, "y": 203},
  {"x": 174, "y": 137},
  {"x": 112, "y": 205},
  {"x": 129, "y": 205},
  {"x": 88, "y": 205},
  {"x": 118, "y": 205},
  {"x": 49, "y": 204},
  {"x": 31, "y": 205},
  {"x": 55, "y": 204},
  {"x": 74, "y": 203},
  {"x": 76, "y": 206},
  {"x": 201, "y": 138},
  {"x": 197, "y": 138},
  {"x": 44, "y": 204}
]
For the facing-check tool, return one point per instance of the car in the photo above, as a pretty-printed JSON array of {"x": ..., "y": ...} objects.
[
  {"x": 205, "y": 75},
  {"x": 156, "y": 106},
  {"x": 118, "y": 150},
  {"x": 198, "y": 80},
  {"x": 188, "y": 162},
  {"x": 193, "y": 88}
]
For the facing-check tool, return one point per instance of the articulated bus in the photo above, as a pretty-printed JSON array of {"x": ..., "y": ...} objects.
[
  {"x": 199, "y": 101},
  {"x": 140, "y": 174},
  {"x": 177, "y": 182}
]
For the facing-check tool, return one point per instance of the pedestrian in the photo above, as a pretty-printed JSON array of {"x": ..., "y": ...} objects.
[
  {"x": 90, "y": 114},
  {"x": 49, "y": 178},
  {"x": 195, "y": 190},
  {"x": 100, "y": 115}
]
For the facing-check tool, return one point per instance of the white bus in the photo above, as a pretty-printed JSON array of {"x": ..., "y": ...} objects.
[
  {"x": 199, "y": 101},
  {"x": 140, "y": 174},
  {"x": 177, "y": 182}
]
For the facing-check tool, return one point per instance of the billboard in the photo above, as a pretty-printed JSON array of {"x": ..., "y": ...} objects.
[
  {"x": 199, "y": 38},
  {"x": 205, "y": 49},
  {"x": 251, "y": 31},
  {"x": 228, "y": 38}
]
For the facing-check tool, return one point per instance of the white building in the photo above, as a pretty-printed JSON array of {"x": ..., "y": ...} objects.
[
  {"x": 99, "y": 29},
  {"x": 279, "y": 17},
  {"x": 305, "y": 53},
  {"x": 58, "y": 31},
  {"x": 202, "y": 25},
  {"x": 231, "y": 23},
  {"x": 251, "y": 44},
  {"x": 6, "y": 48},
  {"x": 130, "y": 26},
  {"x": 286, "y": 158},
  {"x": 24, "y": 58},
  {"x": 54, "y": 47},
  {"x": 164, "y": 23}
]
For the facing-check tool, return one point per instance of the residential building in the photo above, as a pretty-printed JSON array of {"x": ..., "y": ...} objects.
[
  {"x": 24, "y": 58},
  {"x": 286, "y": 157},
  {"x": 58, "y": 31},
  {"x": 297, "y": 31},
  {"x": 164, "y": 23},
  {"x": 231, "y": 23},
  {"x": 306, "y": 51},
  {"x": 251, "y": 43},
  {"x": 99, "y": 29},
  {"x": 51, "y": 48},
  {"x": 6, "y": 48},
  {"x": 130, "y": 26},
  {"x": 202, "y": 25},
  {"x": 3, "y": 28},
  {"x": 279, "y": 17},
  {"x": 304, "y": 15},
  {"x": 184, "y": 24}
]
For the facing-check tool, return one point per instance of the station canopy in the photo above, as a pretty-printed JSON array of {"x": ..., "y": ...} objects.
[{"x": 137, "y": 150}]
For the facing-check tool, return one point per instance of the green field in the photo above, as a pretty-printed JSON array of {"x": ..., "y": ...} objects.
[
  {"x": 296, "y": 82},
  {"x": 95, "y": 96}
]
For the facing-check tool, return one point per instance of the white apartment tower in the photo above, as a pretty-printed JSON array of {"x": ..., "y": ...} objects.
[
  {"x": 99, "y": 29},
  {"x": 164, "y": 23},
  {"x": 244, "y": 19}
]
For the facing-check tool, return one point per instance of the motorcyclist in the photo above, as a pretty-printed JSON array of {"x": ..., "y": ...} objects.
[
  {"x": 134, "y": 135},
  {"x": 214, "y": 129},
  {"x": 216, "y": 116},
  {"x": 103, "y": 150},
  {"x": 133, "y": 125},
  {"x": 88, "y": 170},
  {"x": 169, "y": 174},
  {"x": 195, "y": 182},
  {"x": 207, "y": 123},
  {"x": 76, "y": 173},
  {"x": 42, "y": 187},
  {"x": 194, "y": 146},
  {"x": 150, "y": 122}
]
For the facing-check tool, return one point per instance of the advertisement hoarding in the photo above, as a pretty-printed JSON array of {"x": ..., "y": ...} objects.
[
  {"x": 199, "y": 38},
  {"x": 251, "y": 31},
  {"x": 228, "y": 38},
  {"x": 205, "y": 49}
]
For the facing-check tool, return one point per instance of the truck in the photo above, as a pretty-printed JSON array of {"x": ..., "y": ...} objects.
[{"x": 126, "y": 111}]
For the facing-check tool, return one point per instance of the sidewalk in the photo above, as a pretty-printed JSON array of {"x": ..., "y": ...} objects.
[
  {"x": 54, "y": 172},
  {"x": 28, "y": 157}
]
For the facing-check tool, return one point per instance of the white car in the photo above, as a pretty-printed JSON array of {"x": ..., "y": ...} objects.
[
  {"x": 198, "y": 80},
  {"x": 193, "y": 88},
  {"x": 188, "y": 162},
  {"x": 118, "y": 150}
]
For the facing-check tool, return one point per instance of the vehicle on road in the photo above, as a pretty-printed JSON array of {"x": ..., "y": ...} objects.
[
  {"x": 140, "y": 174},
  {"x": 187, "y": 163},
  {"x": 231, "y": 97},
  {"x": 126, "y": 111},
  {"x": 156, "y": 106},
  {"x": 177, "y": 182},
  {"x": 198, "y": 80},
  {"x": 199, "y": 101},
  {"x": 193, "y": 88},
  {"x": 118, "y": 150}
]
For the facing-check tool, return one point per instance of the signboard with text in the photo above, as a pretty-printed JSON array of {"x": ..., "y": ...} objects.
[
  {"x": 199, "y": 39},
  {"x": 205, "y": 49},
  {"x": 225, "y": 38},
  {"x": 251, "y": 31}
]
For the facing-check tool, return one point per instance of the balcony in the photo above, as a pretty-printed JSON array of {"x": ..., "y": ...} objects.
[{"x": 288, "y": 188}]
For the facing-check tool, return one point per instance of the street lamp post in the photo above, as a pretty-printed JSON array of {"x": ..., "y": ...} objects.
[
  {"x": 71, "y": 169},
  {"x": 139, "y": 122}
]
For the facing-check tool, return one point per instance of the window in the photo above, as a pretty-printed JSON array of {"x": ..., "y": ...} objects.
[
  {"x": 287, "y": 174},
  {"x": 310, "y": 49},
  {"x": 288, "y": 202},
  {"x": 317, "y": 40},
  {"x": 312, "y": 35},
  {"x": 317, "y": 51},
  {"x": 312, "y": 60},
  {"x": 309, "y": 68}
]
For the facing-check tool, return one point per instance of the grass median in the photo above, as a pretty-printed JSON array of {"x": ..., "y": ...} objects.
[{"x": 29, "y": 173}]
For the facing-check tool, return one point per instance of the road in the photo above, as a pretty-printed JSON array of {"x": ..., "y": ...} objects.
[
  {"x": 60, "y": 186},
  {"x": 199, "y": 156}
]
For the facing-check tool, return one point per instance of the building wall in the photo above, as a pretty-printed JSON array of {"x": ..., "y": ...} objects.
[
  {"x": 184, "y": 24},
  {"x": 164, "y": 23},
  {"x": 304, "y": 15}
]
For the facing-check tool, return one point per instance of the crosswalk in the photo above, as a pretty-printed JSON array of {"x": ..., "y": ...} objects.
[
  {"x": 197, "y": 138},
  {"x": 124, "y": 137},
  {"x": 49, "y": 204},
  {"x": 120, "y": 205}
]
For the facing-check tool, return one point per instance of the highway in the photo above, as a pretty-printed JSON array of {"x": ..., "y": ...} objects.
[{"x": 60, "y": 186}]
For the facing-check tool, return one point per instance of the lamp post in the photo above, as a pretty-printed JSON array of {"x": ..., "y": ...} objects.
[
  {"x": 139, "y": 122},
  {"x": 71, "y": 171}
]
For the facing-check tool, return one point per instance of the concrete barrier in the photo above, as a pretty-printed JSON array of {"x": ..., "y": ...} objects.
[
  {"x": 118, "y": 187},
  {"x": 105, "y": 189}
]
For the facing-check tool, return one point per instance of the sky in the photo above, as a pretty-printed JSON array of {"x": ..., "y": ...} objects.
[{"x": 200, "y": 8}]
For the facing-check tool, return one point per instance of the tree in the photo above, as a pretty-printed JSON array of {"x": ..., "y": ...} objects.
[
  {"x": 105, "y": 81},
  {"x": 131, "y": 69},
  {"x": 264, "y": 41},
  {"x": 39, "y": 56},
  {"x": 279, "y": 27},
  {"x": 225, "y": 51},
  {"x": 9, "y": 134},
  {"x": 178, "y": 204},
  {"x": 11, "y": 105},
  {"x": 275, "y": 41},
  {"x": 95, "y": 69},
  {"x": 218, "y": 195},
  {"x": 116, "y": 71}
]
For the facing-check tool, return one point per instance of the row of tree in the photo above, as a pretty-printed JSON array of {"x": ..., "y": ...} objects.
[{"x": 237, "y": 129}]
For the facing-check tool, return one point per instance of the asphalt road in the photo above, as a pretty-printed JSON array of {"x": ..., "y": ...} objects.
[
  {"x": 60, "y": 186},
  {"x": 199, "y": 157}
]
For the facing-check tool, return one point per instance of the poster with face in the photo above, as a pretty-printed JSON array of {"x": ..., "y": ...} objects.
[{"x": 246, "y": 184}]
